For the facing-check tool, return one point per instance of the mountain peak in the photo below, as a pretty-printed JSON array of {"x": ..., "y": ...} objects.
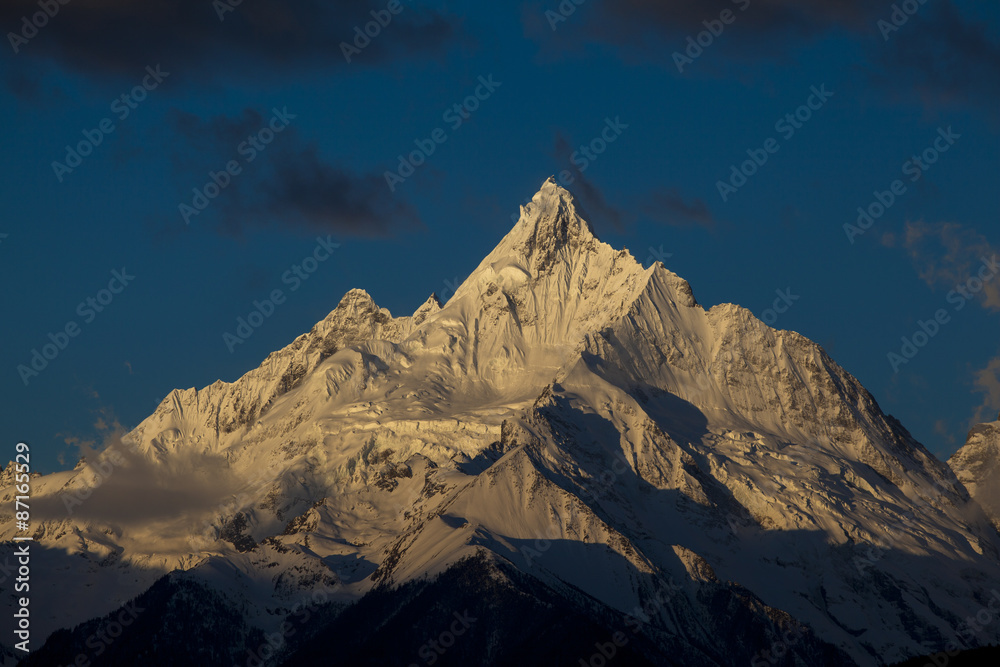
[
  {"x": 357, "y": 298},
  {"x": 552, "y": 184},
  {"x": 429, "y": 307},
  {"x": 376, "y": 452},
  {"x": 549, "y": 223}
]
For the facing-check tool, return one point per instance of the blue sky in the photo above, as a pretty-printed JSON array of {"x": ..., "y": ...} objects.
[{"x": 557, "y": 81}]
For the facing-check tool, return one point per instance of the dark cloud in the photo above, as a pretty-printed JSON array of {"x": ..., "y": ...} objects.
[
  {"x": 642, "y": 24},
  {"x": 942, "y": 58},
  {"x": 938, "y": 54},
  {"x": 288, "y": 184},
  {"x": 768, "y": 16},
  {"x": 594, "y": 206},
  {"x": 669, "y": 207},
  {"x": 325, "y": 197},
  {"x": 100, "y": 37}
]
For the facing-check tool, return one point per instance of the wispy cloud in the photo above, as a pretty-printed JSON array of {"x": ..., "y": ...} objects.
[
  {"x": 951, "y": 256},
  {"x": 941, "y": 428},
  {"x": 948, "y": 254},
  {"x": 114, "y": 470},
  {"x": 987, "y": 381}
]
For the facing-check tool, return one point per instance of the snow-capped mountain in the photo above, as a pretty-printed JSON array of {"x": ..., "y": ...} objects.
[
  {"x": 570, "y": 432},
  {"x": 977, "y": 465}
]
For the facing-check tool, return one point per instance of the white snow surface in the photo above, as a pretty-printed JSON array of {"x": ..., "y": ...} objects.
[{"x": 567, "y": 410}]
